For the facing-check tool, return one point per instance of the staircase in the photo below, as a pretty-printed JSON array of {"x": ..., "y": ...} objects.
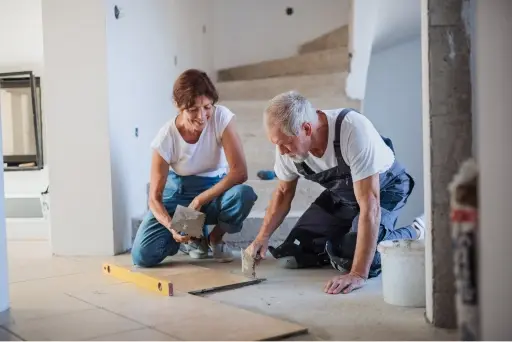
[{"x": 319, "y": 72}]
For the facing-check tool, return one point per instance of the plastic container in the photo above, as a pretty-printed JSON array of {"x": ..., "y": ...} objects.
[{"x": 403, "y": 272}]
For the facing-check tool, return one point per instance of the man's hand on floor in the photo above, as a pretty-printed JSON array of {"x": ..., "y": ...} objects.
[{"x": 344, "y": 283}]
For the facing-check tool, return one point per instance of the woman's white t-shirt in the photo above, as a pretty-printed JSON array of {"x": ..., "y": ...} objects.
[{"x": 204, "y": 158}]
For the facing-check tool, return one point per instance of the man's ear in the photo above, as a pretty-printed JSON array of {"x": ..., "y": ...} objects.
[{"x": 308, "y": 129}]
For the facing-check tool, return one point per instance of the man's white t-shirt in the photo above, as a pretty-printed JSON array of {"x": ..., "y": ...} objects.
[
  {"x": 204, "y": 158},
  {"x": 362, "y": 148}
]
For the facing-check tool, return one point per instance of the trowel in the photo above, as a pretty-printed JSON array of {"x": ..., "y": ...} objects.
[
  {"x": 249, "y": 263},
  {"x": 188, "y": 221}
]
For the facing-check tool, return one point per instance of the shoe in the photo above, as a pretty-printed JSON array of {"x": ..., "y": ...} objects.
[
  {"x": 419, "y": 225},
  {"x": 344, "y": 265},
  {"x": 222, "y": 252},
  {"x": 291, "y": 256},
  {"x": 340, "y": 264},
  {"x": 196, "y": 249}
]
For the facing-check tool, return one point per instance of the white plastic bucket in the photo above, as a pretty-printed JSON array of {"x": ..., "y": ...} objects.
[{"x": 403, "y": 272}]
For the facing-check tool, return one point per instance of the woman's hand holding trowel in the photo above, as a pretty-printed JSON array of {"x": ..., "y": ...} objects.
[{"x": 178, "y": 237}]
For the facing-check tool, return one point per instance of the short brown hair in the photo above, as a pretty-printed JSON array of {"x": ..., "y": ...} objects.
[{"x": 191, "y": 84}]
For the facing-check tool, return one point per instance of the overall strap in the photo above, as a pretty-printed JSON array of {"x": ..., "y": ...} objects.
[
  {"x": 337, "y": 132},
  {"x": 304, "y": 169}
]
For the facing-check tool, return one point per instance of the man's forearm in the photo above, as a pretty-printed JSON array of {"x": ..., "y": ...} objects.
[
  {"x": 366, "y": 243},
  {"x": 277, "y": 210}
]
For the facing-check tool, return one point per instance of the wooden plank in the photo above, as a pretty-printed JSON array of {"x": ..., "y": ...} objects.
[
  {"x": 222, "y": 322},
  {"x": 180, "y": 277},
  {"x": 187, "y": 317}
]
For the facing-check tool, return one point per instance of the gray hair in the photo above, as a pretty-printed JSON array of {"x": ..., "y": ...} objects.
[{"x": 289, "y": 111}]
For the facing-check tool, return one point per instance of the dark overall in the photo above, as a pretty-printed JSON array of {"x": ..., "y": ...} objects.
[{"x": 333, "y": 217}]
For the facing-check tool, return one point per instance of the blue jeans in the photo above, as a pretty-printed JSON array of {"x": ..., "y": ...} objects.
[{"x": 153, "y": 242}]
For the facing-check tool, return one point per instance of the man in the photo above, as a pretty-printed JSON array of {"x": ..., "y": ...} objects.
[{"x": 365, "y": 190}]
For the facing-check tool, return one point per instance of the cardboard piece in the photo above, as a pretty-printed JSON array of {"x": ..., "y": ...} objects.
[
  {"x": 189, "y": 318},
  {"x": 188, "y": 221}
]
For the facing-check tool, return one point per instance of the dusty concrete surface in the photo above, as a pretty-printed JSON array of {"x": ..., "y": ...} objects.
[
  {"x": 41, "y": 306},
  {"x": 297, "y": 296}
]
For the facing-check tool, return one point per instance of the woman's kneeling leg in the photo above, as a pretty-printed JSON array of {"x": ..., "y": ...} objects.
[
  {"x": 233, "y": 207},
  {"x": 153, "y": 243}
]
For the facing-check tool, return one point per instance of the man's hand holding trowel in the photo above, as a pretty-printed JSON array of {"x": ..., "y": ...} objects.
[
  {"x": 258, "y": 248},
  {"x": 253, "y": 255}
]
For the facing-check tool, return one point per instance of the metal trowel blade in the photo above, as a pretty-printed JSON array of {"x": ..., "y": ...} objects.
[
  {"x": 188, "y": 221},
  {"x": 249, "y": 264}
]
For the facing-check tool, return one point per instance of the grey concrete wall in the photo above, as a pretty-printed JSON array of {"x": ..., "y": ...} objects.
[{"x": 447, "y": 140}]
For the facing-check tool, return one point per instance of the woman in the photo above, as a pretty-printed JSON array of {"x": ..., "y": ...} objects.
[{"x": 198, "y": 162}]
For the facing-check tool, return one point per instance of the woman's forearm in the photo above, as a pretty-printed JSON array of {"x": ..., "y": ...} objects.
[
  {"x": 158, "y": 209},
  {"x": 232, "y": 178}
]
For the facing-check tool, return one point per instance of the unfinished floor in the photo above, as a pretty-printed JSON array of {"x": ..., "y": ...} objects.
[{"x": 42, "y": 307}]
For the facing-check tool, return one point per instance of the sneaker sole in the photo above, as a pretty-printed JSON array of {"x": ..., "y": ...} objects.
[
  {"x": 197, "y": 257},
  {"x": 420, "y": 228}
]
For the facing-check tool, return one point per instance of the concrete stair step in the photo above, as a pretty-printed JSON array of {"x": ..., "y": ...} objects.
[
  {"x": 252, "y": 226},
  {"x": 306, "y": 193},
  {"x": 331, "y": 40},
  {"x": 320, "y": 62},
  {"x": 322, "y": 85}
]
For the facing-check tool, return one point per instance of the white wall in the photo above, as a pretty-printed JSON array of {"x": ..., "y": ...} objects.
[
  {"x": 248, "y": 31},
  {"x": 364, "y": 21},
  {"x": 21, "y": 36},
  {"x": 398, "y": 21},
  {"x": 4, "y": 270},
  {"x": 141, "y": 72},
  {"x": 377, "y": 25},
  {"x": 492, "y": 50},
  {"x": 393, "y": 103},
  {"x": 75, "y": 103}
]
